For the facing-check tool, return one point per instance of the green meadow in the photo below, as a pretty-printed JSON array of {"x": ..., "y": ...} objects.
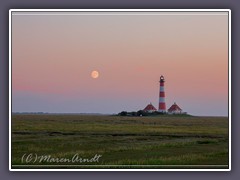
[{"x": 162, "y": 141}]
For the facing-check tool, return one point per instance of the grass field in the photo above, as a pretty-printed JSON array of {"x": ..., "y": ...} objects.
[{"x": 164, "y": 141}]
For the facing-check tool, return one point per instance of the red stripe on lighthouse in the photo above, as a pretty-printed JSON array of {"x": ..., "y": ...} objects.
[
  {"x": 161, "y": 94},
  {"x": 162, "y": 106}
]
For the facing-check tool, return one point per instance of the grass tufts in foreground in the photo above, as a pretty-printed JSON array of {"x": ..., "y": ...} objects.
[{"x": 122, "y": 142}]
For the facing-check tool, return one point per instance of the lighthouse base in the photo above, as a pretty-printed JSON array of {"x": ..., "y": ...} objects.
[{"x": 162, "y": 111}]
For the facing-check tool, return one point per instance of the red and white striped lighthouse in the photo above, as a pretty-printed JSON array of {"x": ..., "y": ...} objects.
[{"x": 162, "y": 104}]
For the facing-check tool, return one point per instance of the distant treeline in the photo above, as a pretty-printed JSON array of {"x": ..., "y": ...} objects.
[
  {"x": 139, "y": 113},
  {"x": 30, "y": 113},
  {"x": 58, "y": 113}
]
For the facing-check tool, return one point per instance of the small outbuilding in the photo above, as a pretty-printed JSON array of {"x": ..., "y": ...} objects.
[
  {"x": 149, "y": 108},
  {"x": 175, "y": 109}
]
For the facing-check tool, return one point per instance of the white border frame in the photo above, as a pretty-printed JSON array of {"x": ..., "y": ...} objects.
[{"x": 119, "y": 10}]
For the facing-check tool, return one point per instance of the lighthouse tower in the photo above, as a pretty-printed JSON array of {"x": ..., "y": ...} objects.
[{"x": 162, "y": 104}]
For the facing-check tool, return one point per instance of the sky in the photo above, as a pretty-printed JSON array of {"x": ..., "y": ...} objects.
[{"x": 54, "y": 54}]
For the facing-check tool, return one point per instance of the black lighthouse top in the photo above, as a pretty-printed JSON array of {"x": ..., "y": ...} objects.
[{"x": 162, "y": 79}]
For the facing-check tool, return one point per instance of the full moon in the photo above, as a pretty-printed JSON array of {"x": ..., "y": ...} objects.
[{"x": 95, "y": 74}]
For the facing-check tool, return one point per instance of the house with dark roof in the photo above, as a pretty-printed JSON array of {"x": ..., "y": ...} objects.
[
  {"x": 149, "y": 108},
  {"x": 175, "y": 109}
]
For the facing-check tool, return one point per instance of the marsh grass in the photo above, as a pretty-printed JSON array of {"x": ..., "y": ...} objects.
[{"x": 142, "y": 141}]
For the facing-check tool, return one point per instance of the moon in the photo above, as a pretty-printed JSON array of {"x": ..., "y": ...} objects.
[{"x": 95, "y": 74}]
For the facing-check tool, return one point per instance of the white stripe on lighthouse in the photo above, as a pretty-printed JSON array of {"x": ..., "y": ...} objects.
[
  {"x": 161, "y": 88},
  {"x": 161, "y": 99}
]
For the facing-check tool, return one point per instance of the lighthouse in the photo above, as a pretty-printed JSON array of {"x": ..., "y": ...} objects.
[{"x": 162, "y": 104}]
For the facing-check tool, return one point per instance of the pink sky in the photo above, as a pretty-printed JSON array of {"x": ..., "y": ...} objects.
[{"x": 53, "y": 57}]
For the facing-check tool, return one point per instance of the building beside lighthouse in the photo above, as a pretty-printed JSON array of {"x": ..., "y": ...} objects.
[
  {"x": 149, "y": 108},
  {"x": 175, "y": 109}
]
